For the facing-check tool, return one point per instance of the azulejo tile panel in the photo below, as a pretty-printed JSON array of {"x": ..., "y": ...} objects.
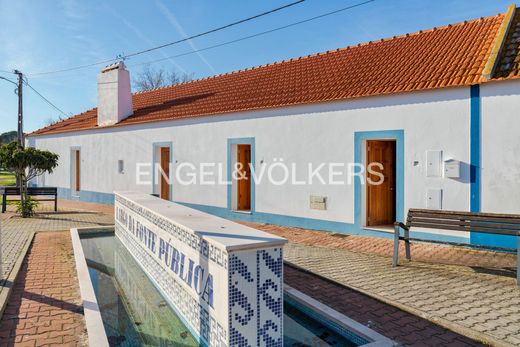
[
  {"x": 226, "y": 297},
  {"x": 256, "y": 298},
  {"x": 209, "y": 251}
]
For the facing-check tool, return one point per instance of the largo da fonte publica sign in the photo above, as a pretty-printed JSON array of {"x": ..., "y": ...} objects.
[
  {"x": 184, "y": 268},
  {"x": 223, "y": 279}
]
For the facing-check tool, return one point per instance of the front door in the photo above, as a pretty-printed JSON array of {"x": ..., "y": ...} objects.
[
  {"x": 165, "y": 173},
  {"x": 78, "y": 171},
  {"x": 381, "y": 197},
  {"x": 244, "y": 177}
]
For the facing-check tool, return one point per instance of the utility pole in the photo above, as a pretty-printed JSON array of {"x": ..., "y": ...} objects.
[{"x": 19, "y": 91}]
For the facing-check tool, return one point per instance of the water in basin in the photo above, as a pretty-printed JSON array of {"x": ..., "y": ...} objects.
[{"x": 134, "y": 312}]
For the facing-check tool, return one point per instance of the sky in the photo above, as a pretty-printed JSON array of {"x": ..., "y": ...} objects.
[{"x": 42, "y": 36}]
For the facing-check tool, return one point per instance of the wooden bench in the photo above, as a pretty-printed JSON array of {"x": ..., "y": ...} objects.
[
  {"x": 31, "y": 191},
  {"x": 488, "y": 223}
]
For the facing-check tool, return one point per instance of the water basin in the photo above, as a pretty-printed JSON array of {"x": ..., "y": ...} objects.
[{"x": 134, "y": 313}]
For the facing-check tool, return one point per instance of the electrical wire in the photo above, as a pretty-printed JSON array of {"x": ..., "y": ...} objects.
[
  {"x": 46, "y": 100},
  {"x": 8, "y": 80},
  {"x": 255, "y": 35},
  {"x": 123, "y": 57}
]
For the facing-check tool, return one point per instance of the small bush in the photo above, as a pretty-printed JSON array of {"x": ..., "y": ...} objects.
[{"x": 27, "y": 207}]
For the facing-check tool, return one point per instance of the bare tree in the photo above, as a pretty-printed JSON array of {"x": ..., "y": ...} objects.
[
  {"x": 151, "y": 78},
  {"x": 50, "y": 121}
]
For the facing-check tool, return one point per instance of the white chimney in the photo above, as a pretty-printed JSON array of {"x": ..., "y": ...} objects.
[{"x": 114, "y": 95}]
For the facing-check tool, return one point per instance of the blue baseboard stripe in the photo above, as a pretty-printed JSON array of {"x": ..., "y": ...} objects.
[
  {"x": 283, "y": 220},
  {"x": 86, "y": 196},
  {"x": 313, "y": 224}
]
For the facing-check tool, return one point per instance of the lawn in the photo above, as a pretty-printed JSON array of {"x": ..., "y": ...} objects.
[{"x": 7, "y": 179}]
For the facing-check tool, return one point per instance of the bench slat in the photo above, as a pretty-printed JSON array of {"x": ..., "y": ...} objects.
[
  {"x": 466, "y": 223},
  {"x": 467, "y": 229},
  {"x": 505, "y": 220},
  {"x": 466, "y": 245},
  {"x": 471, "y": 214}
]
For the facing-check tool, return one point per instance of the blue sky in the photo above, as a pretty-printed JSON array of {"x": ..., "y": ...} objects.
[{"x": 40, "y": 36}]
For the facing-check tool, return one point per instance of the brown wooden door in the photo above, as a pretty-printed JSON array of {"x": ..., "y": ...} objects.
[
  {"x": 78, "y": 172},
  {"x": 244, "y": 178},
  {"x": 165, "y": 178},
  {"x": 381, "y": 198}
]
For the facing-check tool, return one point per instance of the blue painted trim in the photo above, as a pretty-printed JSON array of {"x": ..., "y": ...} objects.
[
  {"x": 475, "y": 148},
  {"x": 156, "y": 145},
  {"x": 313, "y": 224},
  {"x": 398, "y": 136},
  {"x": 86, "y": 196},
  {"x": 230, "y": 143},
  {"x": 475, "y": 173}
]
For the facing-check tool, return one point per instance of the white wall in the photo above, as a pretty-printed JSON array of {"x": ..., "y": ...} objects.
[
  {"x": 432, "y": 120},
  {"x": 501, "y": 147}
]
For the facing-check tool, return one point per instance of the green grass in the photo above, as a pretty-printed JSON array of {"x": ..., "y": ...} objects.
[{"x": 7, "y": 179}]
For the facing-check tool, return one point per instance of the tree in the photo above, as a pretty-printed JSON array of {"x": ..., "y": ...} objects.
[
  {"x": 26, "y": 164},
  {"x": 151, "y": 78},
  {"x": 8, "y": 137}
]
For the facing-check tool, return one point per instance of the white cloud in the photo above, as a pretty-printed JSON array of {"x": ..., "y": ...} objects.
[
  {"x": 143, "y": 37},
  {"x": 173, "y": 20}
]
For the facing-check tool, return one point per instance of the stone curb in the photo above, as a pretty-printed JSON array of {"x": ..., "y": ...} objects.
[
  {"x": 5, "y": 292},
  {"x": 479, "y": 337}
]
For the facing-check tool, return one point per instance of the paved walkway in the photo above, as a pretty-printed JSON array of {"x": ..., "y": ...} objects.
[
  {"x": 45, "y": 306},
  {"x": 400, "y": 326},
  {"x": 431, "y": 253},
  {"x": 44, "y": 302},
  {"x": 482, "y": 306},
  {"x": 16, "y": 232},
  {"x": 482, "y": 301},
  {"x": 357, "y": 280}
]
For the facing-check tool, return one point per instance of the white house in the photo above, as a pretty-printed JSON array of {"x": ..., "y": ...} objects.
[{"x": 439, "y": 108}]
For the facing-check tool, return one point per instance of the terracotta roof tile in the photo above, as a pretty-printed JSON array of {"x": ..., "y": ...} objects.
[
  {"x": 509, "y": 61},
  {"x": 454, "y": 55}
]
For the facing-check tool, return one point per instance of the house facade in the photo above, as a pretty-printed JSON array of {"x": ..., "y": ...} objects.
[{"x": 439, "y": 109}]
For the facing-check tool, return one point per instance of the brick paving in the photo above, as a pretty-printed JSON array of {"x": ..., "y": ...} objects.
[
  {"x": 45, "y": 307},
  {"x": 478, "y": 297},
  {"x": 400, "y": 326},
  {"x": 44, "y": 304},
  {"x": 470, "y": 299},
  {"x": 12, "y": 242},
  {"x": 430, "y": 253},
  {"x": 16, "y": 231},
  {"x": 479, "y": 305}
]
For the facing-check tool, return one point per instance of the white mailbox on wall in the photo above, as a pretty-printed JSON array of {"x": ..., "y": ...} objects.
[{"x": 452, "y": 168}]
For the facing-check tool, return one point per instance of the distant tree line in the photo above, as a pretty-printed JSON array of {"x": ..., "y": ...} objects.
[{"x": 8, "y": 137}]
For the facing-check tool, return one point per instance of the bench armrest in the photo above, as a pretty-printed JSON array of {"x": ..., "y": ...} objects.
[{"x": 401, "y": 225}]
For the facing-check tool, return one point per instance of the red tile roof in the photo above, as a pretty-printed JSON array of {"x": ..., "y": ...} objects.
[
  {"x": 454, "y": 55},
  {"x": 509, "y": 61}
]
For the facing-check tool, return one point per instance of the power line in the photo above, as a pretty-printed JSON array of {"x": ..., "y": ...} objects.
[
  {"x": 45, "y": 99},
  {"x": 8, "y": 80},
  {"x": 255, "y": 35},
  {"x": 123, "y": 57}
]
